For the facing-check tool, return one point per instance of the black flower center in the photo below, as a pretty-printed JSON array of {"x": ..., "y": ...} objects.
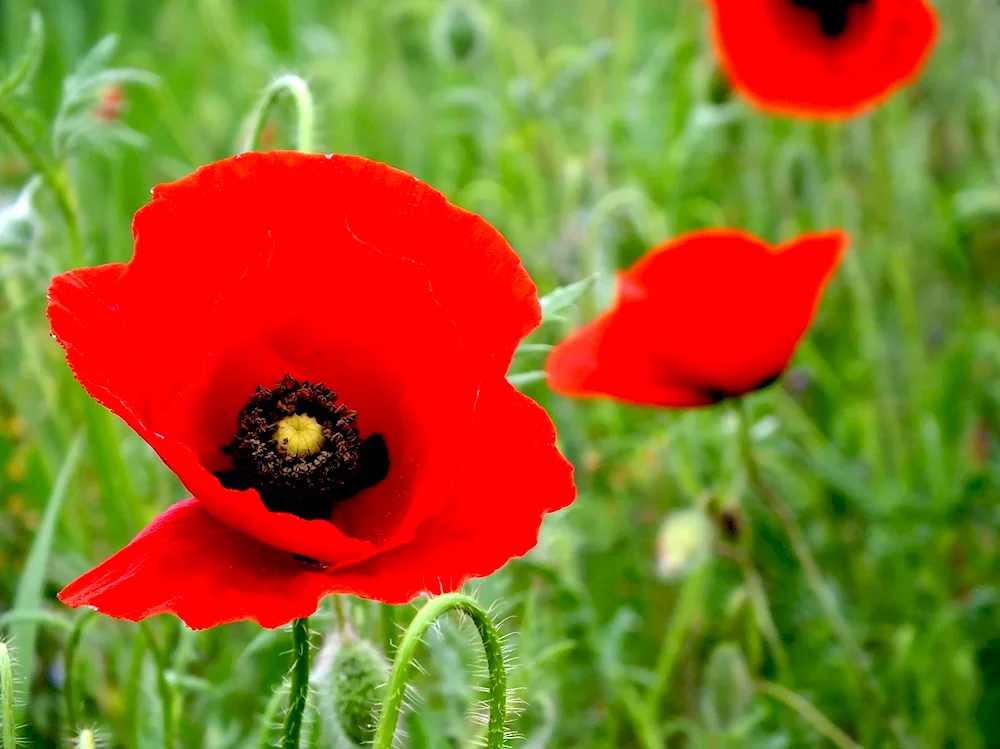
[
  {"x": 833, "y": 14},
  {"x": 301, "y": 451}
]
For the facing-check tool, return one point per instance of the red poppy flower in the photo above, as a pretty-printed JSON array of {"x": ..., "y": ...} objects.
[
  {"x": 412, "y": 467},
  {"x": 822, "y": 58},
  {"x": 708, "y": 316}
]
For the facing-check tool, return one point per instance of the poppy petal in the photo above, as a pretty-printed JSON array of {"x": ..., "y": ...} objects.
[
  {"x": 191, "y": 565},
  {"x": 177, "y": 372},
  {"x": 777, "y": 55},
  {"x": 609, "y": 357},
  {"x": 708, "y": 316},
  {"x": 486, "y": 523}
]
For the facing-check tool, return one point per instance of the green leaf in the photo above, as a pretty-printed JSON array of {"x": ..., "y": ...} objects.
[
  {"x": 559, "y": 300},
  {"x": 28, "y": 596}
]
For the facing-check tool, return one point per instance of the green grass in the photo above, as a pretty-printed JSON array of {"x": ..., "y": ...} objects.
[{"x": 586, "y": 131}]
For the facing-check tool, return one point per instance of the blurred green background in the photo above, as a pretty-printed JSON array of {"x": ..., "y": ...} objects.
[{"x": 586, "y": 131}]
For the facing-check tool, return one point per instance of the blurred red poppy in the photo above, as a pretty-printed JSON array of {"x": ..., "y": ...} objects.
[
  {"x": 708, "y": 316},
  {"x": 253, "y": 281},
  {"x": 822, "y": 58}
]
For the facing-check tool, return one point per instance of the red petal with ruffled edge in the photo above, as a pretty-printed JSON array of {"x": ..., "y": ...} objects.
[
  {"x": 189, "y": 564},
  {"x": 710, "y": 315},
  {"x": 333, "y": 269},
  {"x": 777, "y": 55}
]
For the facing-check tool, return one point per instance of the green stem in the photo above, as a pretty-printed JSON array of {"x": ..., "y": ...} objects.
[
  {"x": 8, "y": 726},
  {"x": 299, "y": 91},
  {"x": 162, "y": 685},
  {"x": 267, "y": 720},
  {"x": 53, "y": 179},
  {"x": 689, "y": 602},
  {"x": 401, "y": 666},
  {"x": 811, "y": 568},
  {"x": 72, "y": 644},
  {"x": 761, "y": 605},
  {"x": 299, "y": 690},
  {"x": 810, "y": 714}
]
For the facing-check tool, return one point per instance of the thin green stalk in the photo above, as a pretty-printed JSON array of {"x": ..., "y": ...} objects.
[
  {"x": 297, "y": 88},
  {"x": 810, "y": 714},
  {"x": 32, "y": 55},
  {"x": 401, "y": 667},
  {"x": 162, "y": 685},
  {"x": 53, "y": 179},
  {"x": 9, "y": 725},
  {"x": 689, "y": 602},
  {"x": 299, "y": 691},
  {"x": 810, "y": 567},
  {"x": 72, "y": 644},
  {"x": 761, "y": 605},
  {"x": 268, "y": 718}
]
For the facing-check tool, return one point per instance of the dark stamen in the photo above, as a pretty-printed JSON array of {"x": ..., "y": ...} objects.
[
  {"x": 305, "y": 478},
  {"x": 833, "y": 14}
]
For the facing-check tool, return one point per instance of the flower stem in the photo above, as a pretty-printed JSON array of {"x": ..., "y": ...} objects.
[
  {"x": 810, "y": 566},
  {"x": 299, "y": 690},
  {"x": 7, "y": 724},
  {"x": 396, "y": 689},
  {"x": 53, "y": 179},
  {"x": 299, "y": 91},
  {"x": 72, "y": 644},
  {"x": 809, "y": 713},
  {"x": 162, "y": 685}
]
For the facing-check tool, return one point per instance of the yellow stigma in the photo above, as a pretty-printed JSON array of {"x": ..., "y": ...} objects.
[{"x": 298, "y": 435}]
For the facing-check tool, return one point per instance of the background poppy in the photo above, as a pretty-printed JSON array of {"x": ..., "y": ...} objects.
[
  {"x": 255, "y": 277},
  {"x": 822, "y": 58},
  {"x": 707, "y": 316}
]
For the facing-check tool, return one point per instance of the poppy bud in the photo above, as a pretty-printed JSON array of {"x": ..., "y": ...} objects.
[
  {"x": 86, "y": 739},
  {"x": 684, "y": 543},
  {"x": 359, "y": 674},
  {"x": 728, "y": 687},
  {"x": 459, "y": 32}
]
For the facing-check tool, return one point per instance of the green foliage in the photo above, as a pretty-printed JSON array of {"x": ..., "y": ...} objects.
[{"x": 587, "y": 131}]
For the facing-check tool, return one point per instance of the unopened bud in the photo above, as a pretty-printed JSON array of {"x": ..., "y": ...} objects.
[
  {"x": 684, "y": 543},
  {"x": 358, "y": 674},
  {"x": 86, "y": 739},
  {"x": 460, "y": 31}
]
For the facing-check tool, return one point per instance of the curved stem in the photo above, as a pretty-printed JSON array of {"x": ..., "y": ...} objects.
[
  {"x": 299, "y": 91},
  {"x": 811, "y": 568},
  {"x": 810, "y": 714},
  {"x": 84, "y": 618},
  {"x": 32, "y": 55},
  {"x": 53, "y": 179},
  {"x": 406, "y": 651},
  {"x": 299, "y": 691},
  {"x": 162, "y": 685}
]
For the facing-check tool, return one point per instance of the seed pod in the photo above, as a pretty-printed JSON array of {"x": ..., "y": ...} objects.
[{"x": 358, "y": 674}]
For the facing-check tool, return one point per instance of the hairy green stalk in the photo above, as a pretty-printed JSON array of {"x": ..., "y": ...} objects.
[
  {"x": 297, "y": 88},
  {"x": 406, "y": 651},
  {"x": 299, "y": 690}
]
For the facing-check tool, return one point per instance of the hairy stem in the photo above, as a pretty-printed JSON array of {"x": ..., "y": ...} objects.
[
  {"x": 299, "y": 91},
  {"x": 299, "y": 690},
  {"x": 407, "y": 648}
]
